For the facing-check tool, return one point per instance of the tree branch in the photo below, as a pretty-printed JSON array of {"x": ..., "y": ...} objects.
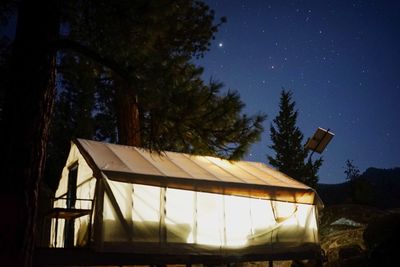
[{"x": 66, "y": 44}]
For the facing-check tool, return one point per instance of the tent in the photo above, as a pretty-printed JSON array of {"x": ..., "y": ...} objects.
[{"x": 179, "y": 208}]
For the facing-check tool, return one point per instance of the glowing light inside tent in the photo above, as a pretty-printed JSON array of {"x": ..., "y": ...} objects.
[
  {"x": 146, "y": 203},
  {"x": 206, "y": 218},
  {"x": 284, "y": 210},
  {"x": 237, "y": 220},
  {"x": 123, "y": 195},
  {"x": 303, "y": 212},
  {"x": 180, "y": 214},
  {"x": 210, "y": 219},
  {"x": 313, "y": 219}
]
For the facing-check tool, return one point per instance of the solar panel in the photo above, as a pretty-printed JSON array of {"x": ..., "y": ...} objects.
[{"x": 319, "y": 140}]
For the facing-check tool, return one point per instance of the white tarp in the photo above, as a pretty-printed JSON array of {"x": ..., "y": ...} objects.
[{"x": 174, "y": 198}]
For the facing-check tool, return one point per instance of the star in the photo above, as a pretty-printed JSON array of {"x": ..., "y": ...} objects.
[{"x": 220, "y": 44}]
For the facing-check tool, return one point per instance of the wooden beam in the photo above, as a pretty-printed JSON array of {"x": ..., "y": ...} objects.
[{"x": 87, "y": 257}]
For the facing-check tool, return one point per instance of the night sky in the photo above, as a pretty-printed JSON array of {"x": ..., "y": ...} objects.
[{"x": 340, "y": 59}]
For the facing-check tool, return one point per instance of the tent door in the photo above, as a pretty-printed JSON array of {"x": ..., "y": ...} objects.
[{"x": 69, "y": 229}]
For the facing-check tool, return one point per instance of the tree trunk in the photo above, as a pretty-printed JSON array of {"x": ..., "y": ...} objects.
[
  {"x": 128, "y": 119},
  {"x": 27, "y": 113}
]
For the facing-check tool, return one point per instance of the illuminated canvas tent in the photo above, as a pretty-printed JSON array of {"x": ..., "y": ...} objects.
[{"x": 115, "y": 198}]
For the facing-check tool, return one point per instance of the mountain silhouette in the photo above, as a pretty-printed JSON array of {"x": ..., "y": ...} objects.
[{"x": 375, "y": 187}]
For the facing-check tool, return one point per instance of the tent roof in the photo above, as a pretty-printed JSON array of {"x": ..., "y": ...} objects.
[{"x": 191, "y": 172}]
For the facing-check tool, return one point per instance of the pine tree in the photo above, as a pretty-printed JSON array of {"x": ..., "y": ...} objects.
[
  {"x": 154, "y": 97},
  {"x": 158, "y": 100},
  {"x": 290, "y": 154},
  {"x": 155, "y": 42}
]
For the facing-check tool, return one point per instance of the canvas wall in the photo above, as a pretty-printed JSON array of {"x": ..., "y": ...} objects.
[{"x": 154, "y": 214}]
